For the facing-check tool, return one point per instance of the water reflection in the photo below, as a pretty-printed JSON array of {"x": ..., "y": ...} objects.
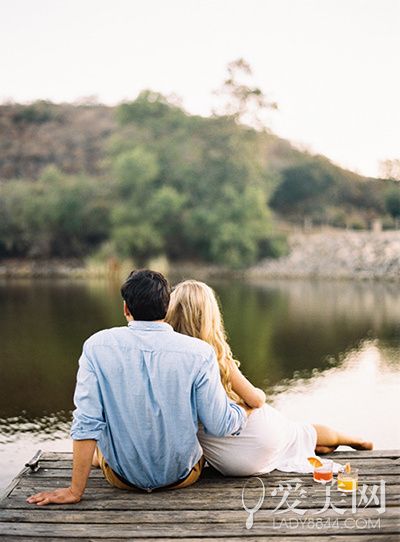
[
  {"x": 328, "y": 351},
  {"x": 43, "y": 325},
  {"x": 51, "y": 427},
  {"x": 361, "y": 396},
  {"x": 282, "y": 328}
]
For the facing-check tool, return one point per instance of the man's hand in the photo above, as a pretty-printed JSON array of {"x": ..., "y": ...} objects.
[
  {"x": 63, "y": 495},
  {"x": 82, "y": 461}
]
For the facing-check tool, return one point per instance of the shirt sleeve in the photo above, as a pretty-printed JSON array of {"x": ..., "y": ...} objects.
[
  {"x": 219, "y": 416},
  {"x": 88, "y": 416}
]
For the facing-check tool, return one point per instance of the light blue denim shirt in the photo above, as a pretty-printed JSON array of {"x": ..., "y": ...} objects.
[{"x": 141, "y": 391}]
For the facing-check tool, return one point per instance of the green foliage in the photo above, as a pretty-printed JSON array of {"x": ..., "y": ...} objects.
[
  {"x": 135, "y": 171},
  {"x": 392, "y": 201},
  {"x": 56, "y": 216},
  {"x": 207, "y": 197},
  {"x": 145, "y": 211},
  {"x": 301, "y": 187},
  {"x": 51, "y": 175},
  {"x": 36, "y": 113},
  {"x": 242, "y": 222},
  {"x": 273, "y": 246},
  {"x": 356, "y": 222},
  {"x": 168, "y": 184},
  {"x": 243, "y": 102},
  {"x": 153, "y": 110},
  {"x": 317, "y": 189}
]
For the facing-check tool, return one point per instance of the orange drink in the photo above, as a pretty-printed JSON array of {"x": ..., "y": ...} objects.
[
  {"x": 347, "y": 481},
  {"x": 324, "y": 473}
]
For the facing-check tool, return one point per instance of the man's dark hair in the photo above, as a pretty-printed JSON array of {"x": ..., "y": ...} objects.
[{"x": 147, "y": 295}]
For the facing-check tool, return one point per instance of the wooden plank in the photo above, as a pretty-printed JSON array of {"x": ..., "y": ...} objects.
[
  {"x": 187, "y": 493},
  {"x": 46, "y": 476},
  {"x": 67, "y": 463},
  {"x": 344, "y": 454},
  {"x": 98, "y": 479},
  {"x": 209, "y": 510},
  {"x": 220, "y": 499},
  {"x": 49, "y": 515},
  {"x": 102, "y": 487},
  {"x": 54, "y": 456},
  {"x": 196, "y": 530},
  {"x": 345, "y": 537},
  {"x": 113, "y": 502},
  {"x": 4, "y": 493},
  {"x": 14, "y": 482},
  {"x": 370, "y": 471},
  {"x": 252, "y": 484},
  {"x": 65, "y": 468}
]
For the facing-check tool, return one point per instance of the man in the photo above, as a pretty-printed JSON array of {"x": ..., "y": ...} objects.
[{"x": 141, "y": 390}]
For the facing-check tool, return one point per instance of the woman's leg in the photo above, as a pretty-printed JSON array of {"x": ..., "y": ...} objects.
[{"x": 329, "y": 439}]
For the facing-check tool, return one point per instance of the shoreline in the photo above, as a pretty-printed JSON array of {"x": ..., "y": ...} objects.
[{"x": 333, "y": 255}]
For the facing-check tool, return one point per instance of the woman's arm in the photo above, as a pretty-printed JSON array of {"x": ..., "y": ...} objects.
[{"x": 252, "y": 396}]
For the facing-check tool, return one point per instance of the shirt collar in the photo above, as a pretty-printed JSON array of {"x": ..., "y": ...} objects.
[{"x": 149, "y": 326}]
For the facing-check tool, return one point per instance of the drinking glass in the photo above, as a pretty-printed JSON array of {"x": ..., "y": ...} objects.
[
  {"x": 347, "y": 481},
  {"x": 324, "y": 474}
]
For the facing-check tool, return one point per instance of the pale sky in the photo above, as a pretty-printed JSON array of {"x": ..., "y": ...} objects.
[{"x": 332, "y": 65}]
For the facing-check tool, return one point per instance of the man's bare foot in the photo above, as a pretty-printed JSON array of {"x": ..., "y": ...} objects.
[{"x": 362, "y": 445}]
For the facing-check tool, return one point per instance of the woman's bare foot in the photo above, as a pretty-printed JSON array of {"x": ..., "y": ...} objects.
[
  {"x": 362, "y": 445},
  {"x": 328, "y": 438},
  {"x": 325, "y": 449}
]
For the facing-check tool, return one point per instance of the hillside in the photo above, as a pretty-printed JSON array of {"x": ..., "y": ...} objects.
[
  {"x": 72, "y": 138},
  {"x": 146, "y": 179}
]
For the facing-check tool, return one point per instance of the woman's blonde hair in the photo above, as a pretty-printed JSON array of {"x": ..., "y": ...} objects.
[{"x": 194, "y": 311}]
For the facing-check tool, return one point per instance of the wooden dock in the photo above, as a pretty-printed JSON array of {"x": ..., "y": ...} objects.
[{"x": 294, "y": 507}]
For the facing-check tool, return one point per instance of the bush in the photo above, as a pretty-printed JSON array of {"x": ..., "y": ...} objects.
[
  {"x": 273, "y": 246},
  {"x": 36, "y": 113},
  {"x": 392, "y": 201},
  {"x": 55, "y": 216}
]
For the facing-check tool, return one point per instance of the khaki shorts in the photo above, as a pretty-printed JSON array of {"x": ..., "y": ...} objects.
[{"x": 115, "y": 480}]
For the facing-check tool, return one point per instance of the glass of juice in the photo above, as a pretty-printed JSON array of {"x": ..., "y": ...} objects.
[
  {"x": 347, "y": 481},
  {"x": 324, "y": 473}
]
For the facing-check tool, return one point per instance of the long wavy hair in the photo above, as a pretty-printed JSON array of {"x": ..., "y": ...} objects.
[{"x": 194, "y": 310}]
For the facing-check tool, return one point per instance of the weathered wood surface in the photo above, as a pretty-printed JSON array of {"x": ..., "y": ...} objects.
[{"x": 210, "y": 510}]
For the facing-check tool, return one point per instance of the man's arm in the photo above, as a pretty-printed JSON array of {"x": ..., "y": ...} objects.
[
  {"x": 219, "y": 416},
  {"x": 87, "y": 427},
  {"x": 83, "y": 456}
]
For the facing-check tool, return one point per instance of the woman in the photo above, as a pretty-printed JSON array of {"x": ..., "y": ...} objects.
[{"x": 270, "y": 440}]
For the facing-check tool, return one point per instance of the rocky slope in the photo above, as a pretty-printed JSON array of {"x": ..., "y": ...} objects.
[{"x": 345, "y": 254}]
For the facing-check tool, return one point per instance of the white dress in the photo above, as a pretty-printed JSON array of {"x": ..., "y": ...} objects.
[{"x": 269, "y": 441}]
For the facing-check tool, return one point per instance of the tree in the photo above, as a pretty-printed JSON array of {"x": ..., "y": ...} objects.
[
  {"x": 132, "y": 226},
  {"x": 392, "y": 201},
  {"x": 141, "y": 217},
  {"x": 390, "y": 169},
  {"x": 301, "y": 188},
  {"x": 58, "y": 215},
  {"x": 208, "y": 199},
  {"x": 243, "y": 101}
]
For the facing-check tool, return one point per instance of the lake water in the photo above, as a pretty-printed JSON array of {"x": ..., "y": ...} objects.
[{"x": 326, "y": 352}]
